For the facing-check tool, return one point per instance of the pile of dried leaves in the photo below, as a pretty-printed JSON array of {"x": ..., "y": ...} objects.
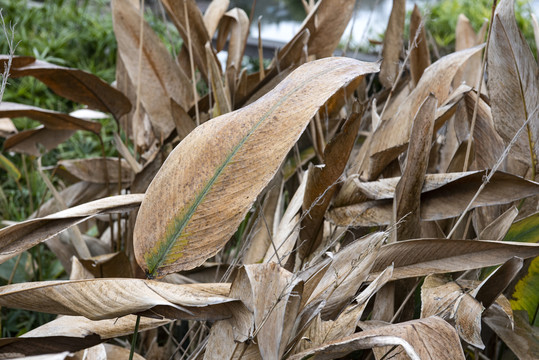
[{"x": 293, "y": 212}]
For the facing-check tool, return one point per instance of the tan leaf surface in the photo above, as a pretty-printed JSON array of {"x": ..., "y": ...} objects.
[
  {"x": 430, "y": 256},
  {"x": 321, "y": 184},
  {"x": 72, "y": 333},
  {"x": 34, "y": 141},
  {"x": 235, "y": 23},
  {"x": 213, "y": 15},
  {"x": 75, "y": 85},
  {"x": 447, "y": 201},
  {"x": 185, "y": 219},
  {"x": 513, "y": 83},
  {"x": 406, "y": 203},
  {"x": 393, "y": 44},
  {"x": 22, "y": 236},
  {"x": 162, "y": 79},
  {"x": 92, "y": 170},
  {"x": 497, "y": 229},
  {"x": 430, "y": 338},
  {"x": 99, "y": 299},
  {"x": 393, "y": 134},
  {"x": 465, "y": 38},
  {"x": 51, "y": 119},
  {"x": 419, "y": 51}
]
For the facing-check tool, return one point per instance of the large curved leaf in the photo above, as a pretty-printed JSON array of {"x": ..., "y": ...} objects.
[{"x": 210, "y": 180}]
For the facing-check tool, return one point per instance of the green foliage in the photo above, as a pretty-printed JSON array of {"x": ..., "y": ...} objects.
[
  {"x": 443, "y": 15},
  {"x": 526, "y": 295}
]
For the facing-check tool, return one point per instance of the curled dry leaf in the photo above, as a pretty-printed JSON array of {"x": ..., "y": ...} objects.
[
  {"x": 213, "y": 15},
  {"x": 413, "y": 258},
  {"x": 74, "y": 84},
  {"x": 419, "y": 50},
  {"x": 99, "y": 170},
  {"x": 208, "y": 183},
  {"x": 51, "y": 119},
  {"x": 72, "y": 333},
  {"x": 235, "y": 23},
  {"x": 22, "y": 236},
  {"x": 446, "y": 201},
  {"x": 513, "y": 84},
  {"x": 430, "y": 338},
  {"x": 98, "y": 299}
]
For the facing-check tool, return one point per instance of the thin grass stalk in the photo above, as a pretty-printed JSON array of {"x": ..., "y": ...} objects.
[
  {"x": 479, "y": 85},
  {"x": 135, "y": 335},
  {"x": 260, "y": 51},
  {"x": 28, "y": 185},
  {"x": 136, "y": 115}
]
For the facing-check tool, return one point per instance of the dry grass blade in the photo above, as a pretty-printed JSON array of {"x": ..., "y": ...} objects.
[
  {"x": 51, "y": 119},
  {"x": 393, "y": 44},
  {"x": 185, "y": 219},
  {"x": 406, "y": 202},
  {"x": 235, "y": 23},
  {"x": 393, "y": 134},
  {"x": 72, "y": 333},
  {"x": 413, "y": 258},
  {"x": 419, "y": 51},
  {"x": 321, "y": 185},
  {"x": 497, "y": 229},
  {"x": 513, "y": 84},
  {"x": 430, "y": 338},
  {"x": 465, "y": 38},
  {"x": 93, "y": 170},
  {"x": 22, "y": 236},
  {"x": 162, "y": 78},
  {"x": 488, "y": 291},
  {"x": 75, "y": 85},
  {"x": 98, "y": 299}
]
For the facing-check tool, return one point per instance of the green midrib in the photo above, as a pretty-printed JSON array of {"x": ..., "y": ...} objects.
[{"x": 155, "y": 260}]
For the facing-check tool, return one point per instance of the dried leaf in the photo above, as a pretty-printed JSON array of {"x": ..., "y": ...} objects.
[
  {"x": 93, "y": 170},
  {"x": 181, "y": 224},
  {"x": 497, "y": 229},
  {"x": 162, "y": 78},
  {"x": 489, "y": 289},
  {"x": 465, "y": 38},
  {"x": 72, "y": 333},
  {"x": 447, "y": 201},
  {"x": 393, "y": 44},
  {"x": 393, "y": 134},
  {"x": 75, "y": 85},
  {"x": 419, "y": 50},
  {"x": 99, "y": 299},
  {"x": 406, "y": 203},
  {"x": 236, "y": 23},
  {"x": 51, "y": 119},
  {"x": 513, "y": 84},
  {"x": 413, "y": 258},
  {"x": 36, "y": 141},
  {"x": 430, "y": 338},
  {"x": 22, "y": 236},
  {"x": 213, "y": 15},
  {"x": 322, "y": 183}
]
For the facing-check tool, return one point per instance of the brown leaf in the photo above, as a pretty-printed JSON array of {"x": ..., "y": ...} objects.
[
  {"x": 430, "y": 338},
  {"x": 393, "y": 44},
  {"x": 92, "y": 170},
  {"x": 236, "y": 23},
  {"x": 186, "y": 219},
  {"x": 213, "y": 15},
  {"x": 99, "y": 299},
  {"x": 513, "y": 84},
  {"x": 36, "y": 141},
  {"x": 108, "y": 265},
  {"x": 523, "y": 340},
  {"x": 75, "y": 85},
  {"x": 393, "y": 134},
  {"x": 22, "y": 236},
  {"x": 51, "y": 119},
  {"x": 422, "y": 257},
  {"x": 160, "y": 77},
  {"x": 7, "y": 128},
  {"x": 321, "y": 184},
  {"x": 419, "y": 51},
  {"x": 325, "y": 26},
  {"x": 497, "y": 229},
  {"x": 488, "y": 291},
  {"x": 406, "y": 203},
  {"x": 195, "y": 37},
  {"x": 443, "y": 202},
  {"x": 465, "y": 38}
]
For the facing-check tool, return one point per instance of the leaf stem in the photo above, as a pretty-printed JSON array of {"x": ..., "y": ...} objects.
[{"x": 134, "y": 341}]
